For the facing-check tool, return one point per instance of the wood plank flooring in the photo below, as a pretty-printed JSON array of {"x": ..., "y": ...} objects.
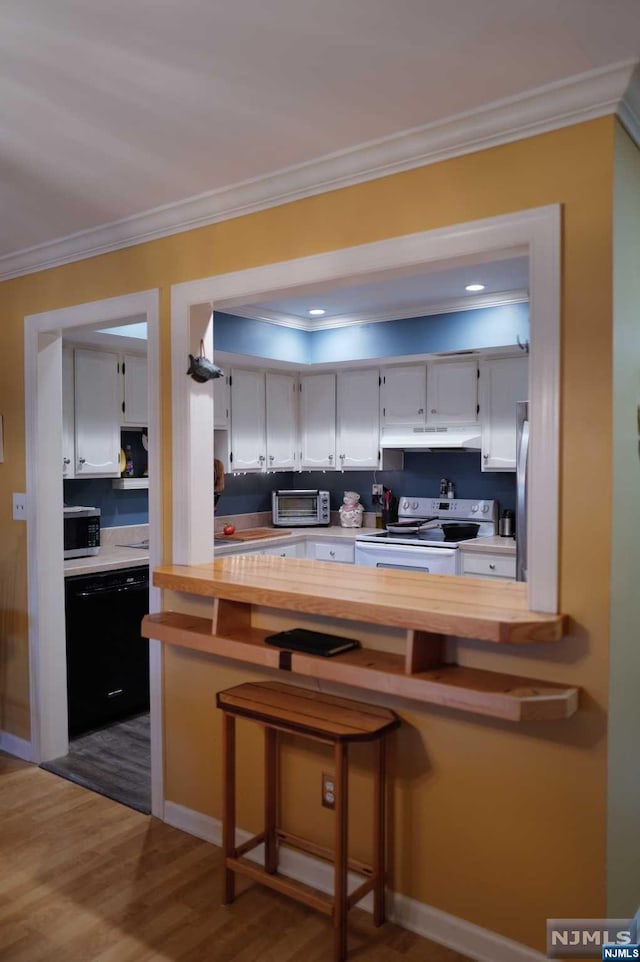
[
  {"x": 115, "y": 761},
  {"x": 85, "y": 879}
]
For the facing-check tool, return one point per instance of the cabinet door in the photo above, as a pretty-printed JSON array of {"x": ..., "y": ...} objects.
[
  {"x": 403, "y": 395},
  {"x": 318, "y": 421},
  {"x": 221, "y": 402},
  {"x": 358, "y": 418},
  {"x": 503, "y": 382},
  {"x": 97, "y": 414},
  {"x": 68, "y": 433},
  {"x": 134, "y": 397},
  {"x": 247, "y": 421},
  {"x": 452, "y": 392},
  {"x": 282, "y": 421}
]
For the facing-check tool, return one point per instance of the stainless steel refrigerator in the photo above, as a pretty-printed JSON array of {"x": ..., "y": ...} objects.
[{"x": 522, "y": 457}]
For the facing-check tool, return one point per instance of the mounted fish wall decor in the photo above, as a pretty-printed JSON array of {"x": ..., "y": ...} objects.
[{"x": 201, "y": 368}]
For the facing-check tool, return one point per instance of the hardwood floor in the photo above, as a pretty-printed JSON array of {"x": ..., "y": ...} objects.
[
  {"x": 85, "y": 879},
  {"x": 115, "y": 761}
]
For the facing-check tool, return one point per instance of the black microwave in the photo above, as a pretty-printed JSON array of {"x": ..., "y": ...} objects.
[{"x": 81, "y": 531}]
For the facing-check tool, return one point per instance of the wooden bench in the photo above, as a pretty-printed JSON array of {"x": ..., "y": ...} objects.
[{"x": 325, "y": 718}]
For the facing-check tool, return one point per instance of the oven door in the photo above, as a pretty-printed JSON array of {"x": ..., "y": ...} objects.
[{"x": 438, "y": 561}]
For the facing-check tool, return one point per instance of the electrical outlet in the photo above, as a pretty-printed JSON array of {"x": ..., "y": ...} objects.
[
  {"x": 376, "y": 490},
  {"x": 328, "y": 791},
  {"x": 19, "y": 507}
]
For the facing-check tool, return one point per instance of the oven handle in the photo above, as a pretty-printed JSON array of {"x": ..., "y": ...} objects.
[{"x": 413, "y": 549}]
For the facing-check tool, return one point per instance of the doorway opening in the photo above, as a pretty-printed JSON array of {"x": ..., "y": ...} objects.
[{"x": 81, "y": 696}]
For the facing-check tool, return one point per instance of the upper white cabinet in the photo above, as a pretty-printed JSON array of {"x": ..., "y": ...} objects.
[
  {"x": 68, "y": 419},
  {"x": 452, "y": 392},
  {"x": 134, "y": 392},
  {"x": 403, "y": 396},
  {"x": 97, "y": 414},
  {"x": 358, "y": 419},
  {"x": 248, "y": 439},
  {"x": 503, "y": 382},
  {"x": 221, "y": 402},
  {"x": 318, "y": 421},
  {"x": 264, "y": 426},
  {"x": 282, "y": 421}
]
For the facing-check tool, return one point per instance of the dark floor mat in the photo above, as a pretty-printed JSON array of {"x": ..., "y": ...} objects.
[{"x": 114, "y": 761}]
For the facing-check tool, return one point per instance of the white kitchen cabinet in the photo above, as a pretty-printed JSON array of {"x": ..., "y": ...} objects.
[
  {"x": 358, "y": 419},
  {"x": 503, "y": 382},
  {"x": 286, "y": 550},
  {"x": 68, "y": 416},
  {"x": 97, "y": 414},
  {"x": 248, "y": 441},
  {"x": 486, "y": 564},
  {"x": 221, "y": 402},
  {"x": 134, "y": 390},
  {"x": 281, "y": 421},
  {"x": 403, "y": 396},
  {"x": 318, "y": 421},
  {"x": 327, "y": 550},
  {"x": 452, "y": 392}
]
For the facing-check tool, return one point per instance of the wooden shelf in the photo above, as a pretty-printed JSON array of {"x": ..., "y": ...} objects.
[
  {"x": 509, "y": 697},
  {"x": 128, "y": 484},
  {"x": 487, "y": 609}
]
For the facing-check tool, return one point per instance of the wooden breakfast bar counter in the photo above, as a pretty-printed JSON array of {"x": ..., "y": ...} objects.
[{"x": 427, "y": 607}]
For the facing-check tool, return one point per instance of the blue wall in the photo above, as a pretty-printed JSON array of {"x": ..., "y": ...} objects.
[
  {"x": 420, "y": 478},
  {"x": 116, "y": 507},
  {"x": 486, "y": 327}
]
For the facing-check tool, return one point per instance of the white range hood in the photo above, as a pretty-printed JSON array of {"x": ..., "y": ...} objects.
[{"x": 460, "y": 438}]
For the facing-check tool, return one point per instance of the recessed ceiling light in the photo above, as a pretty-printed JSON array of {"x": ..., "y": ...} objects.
[
  {"x": 474, "y": 287},
  {"x": 317, "y": 311}
]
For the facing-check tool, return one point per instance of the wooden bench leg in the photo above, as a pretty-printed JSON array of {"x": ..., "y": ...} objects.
[
  {"x": 229, "y": 803},
  {"x": 379, "y": 782},
  {"x": 340, "y": 852},
  {"x": 270, "y": 799}
]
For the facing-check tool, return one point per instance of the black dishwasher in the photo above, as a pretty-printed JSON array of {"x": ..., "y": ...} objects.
[{"x": 107, "y": 659}]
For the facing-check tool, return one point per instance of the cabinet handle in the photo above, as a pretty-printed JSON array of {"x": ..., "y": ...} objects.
[
  {"x": 492, "y": 567},
  {"x": 486, "y": 457},
  {"x": 261, "y": 457},
  {"x": 332, "y": 554},
  {"x": 331, "y": 457},
  {"x": 420, "y": 410},
  {"x": 66, "y": 460},
  {"x": 84, "y": 460},
  {"x": 272, "y": 457},
  {"x": 433, "y": 411}
]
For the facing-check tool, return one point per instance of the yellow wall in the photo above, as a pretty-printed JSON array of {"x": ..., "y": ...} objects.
[{"x": 501, "y": 825}]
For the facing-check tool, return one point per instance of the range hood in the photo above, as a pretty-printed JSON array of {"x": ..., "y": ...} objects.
[{"x": 456, "y": 438}]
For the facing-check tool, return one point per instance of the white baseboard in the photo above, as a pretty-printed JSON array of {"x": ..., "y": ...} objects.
[
  {"x": 457, "y": 934},
  {"x": 13, "y": 745}
]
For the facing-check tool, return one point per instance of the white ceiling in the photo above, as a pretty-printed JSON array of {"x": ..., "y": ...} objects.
[
  {"x": 111, "y": 110},
  {"x": 407, "y": 295}
]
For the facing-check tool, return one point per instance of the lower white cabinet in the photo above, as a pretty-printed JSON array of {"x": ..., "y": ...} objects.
[
  {"x": 342, "y": 551},
  {"x": 488, "y": 565},
  {"x": 503, "y": 382},
  {"x": 286, "y": 550}
]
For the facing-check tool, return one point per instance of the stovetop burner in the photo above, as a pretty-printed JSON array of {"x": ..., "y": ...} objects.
[{"x": 430, "y": 522}]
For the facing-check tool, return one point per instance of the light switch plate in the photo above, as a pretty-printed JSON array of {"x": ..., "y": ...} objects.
[{"x": 19, "y": 506}]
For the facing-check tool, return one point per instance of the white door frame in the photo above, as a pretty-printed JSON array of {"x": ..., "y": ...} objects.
[
  {"x": 45, "y": 565},
  {"x": 534, "y": 232}
]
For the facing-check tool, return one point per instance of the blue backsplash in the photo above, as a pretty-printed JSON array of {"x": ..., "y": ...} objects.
[
  {"x": 117, "y": 507},
  {"x": 421, "y": 478}
]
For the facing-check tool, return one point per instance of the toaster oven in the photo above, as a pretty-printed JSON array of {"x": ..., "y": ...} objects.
[{"x": 300, "y": 507}]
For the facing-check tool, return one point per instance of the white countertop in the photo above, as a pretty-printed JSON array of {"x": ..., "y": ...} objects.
[
  {"x": 496, "y": 545},
  {"x": 111, "y": 558},
  {"x": 291, "y": 536}
]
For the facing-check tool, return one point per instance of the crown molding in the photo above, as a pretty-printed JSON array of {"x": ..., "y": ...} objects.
[
  {"x": 449, "y": 306},
  {"x": 586, "y": 96}
]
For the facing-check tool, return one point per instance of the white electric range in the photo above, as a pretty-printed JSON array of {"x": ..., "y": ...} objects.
[{"x": 427, "y": 534}]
